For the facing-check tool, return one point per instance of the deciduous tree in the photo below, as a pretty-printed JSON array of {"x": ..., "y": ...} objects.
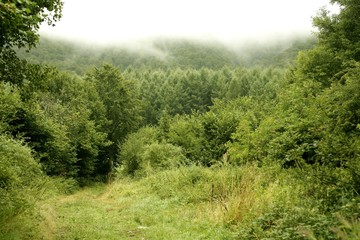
[{"x": 20, "y": 20}]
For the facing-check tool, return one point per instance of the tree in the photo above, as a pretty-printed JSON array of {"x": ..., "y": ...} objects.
[
  {"x": 20, "y": 20},
  {"x": 122, "y": 105},
  {"x": 10, "y": 105},
  {"x": 187, "y": 132},
  {"x": 59, "y": 115},
  {"x": 133, "y": 147},
  {"x": 340, "y": 32}
]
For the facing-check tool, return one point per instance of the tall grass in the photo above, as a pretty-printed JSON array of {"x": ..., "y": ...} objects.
[
  {"x": 255, "y": 202},
  {"x": 29, "y": 216},
  {"x": 189, "y": 202}
]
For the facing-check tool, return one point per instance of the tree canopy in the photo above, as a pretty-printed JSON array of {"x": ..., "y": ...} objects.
[{"x": 20, "y": 20}]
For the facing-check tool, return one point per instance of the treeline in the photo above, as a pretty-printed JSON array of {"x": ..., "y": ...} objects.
[
  {"x": 166, "y": 54},
  {"x": 183, "y": 91}
]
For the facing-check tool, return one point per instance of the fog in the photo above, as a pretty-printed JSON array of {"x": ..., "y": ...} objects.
[{"x": 127, "y": 21}]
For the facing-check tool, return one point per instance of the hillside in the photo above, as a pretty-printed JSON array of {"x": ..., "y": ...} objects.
[{"x": 166, "y": 53}]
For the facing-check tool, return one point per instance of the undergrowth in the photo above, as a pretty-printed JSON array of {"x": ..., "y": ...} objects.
[
  {"x": 264, "y": 202},
  {"x": 193, "y": 202},
  {"x": 29, "y": 216}
]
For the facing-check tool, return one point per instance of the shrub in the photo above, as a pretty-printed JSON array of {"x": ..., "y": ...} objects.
[
  {"x": 132, "y": 148},
  {"x": 21, "y": 182},
  {"x": 161, "y": 156}
]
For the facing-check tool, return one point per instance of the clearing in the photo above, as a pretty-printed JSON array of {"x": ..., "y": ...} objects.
[{"x": 127, "y": 210}]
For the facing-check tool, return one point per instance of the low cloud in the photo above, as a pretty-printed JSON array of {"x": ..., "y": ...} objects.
[{"x": 125, "y": 22}]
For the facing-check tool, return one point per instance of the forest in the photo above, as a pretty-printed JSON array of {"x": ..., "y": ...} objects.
[{"x": 185, "y": 139}]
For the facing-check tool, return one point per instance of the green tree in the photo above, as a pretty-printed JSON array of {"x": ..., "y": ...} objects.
[
  {"x": 318, "y": 64},
  {"x": 122, "y": 108},
  {"x": 219, "y": 124},
  {"x": 340, "y": 33},
  {"x": 20, "y": 20},
  {"x": 75, "y": 104},
  {"x": 10, "y": 105},
  {"x": 187, "y": 132},
  {"x": 60, "y": 116}
]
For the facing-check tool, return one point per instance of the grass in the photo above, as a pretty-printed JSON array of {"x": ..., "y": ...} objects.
[
  {"x": 185, "y": 203},
  {"x": 126, "y": 210},
  {"x": 195, "y": 203}
]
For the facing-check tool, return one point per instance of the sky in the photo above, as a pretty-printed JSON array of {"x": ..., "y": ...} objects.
[{"x": 118, "y": 21}]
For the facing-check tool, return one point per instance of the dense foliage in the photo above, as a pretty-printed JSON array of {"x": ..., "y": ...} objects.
[
  {"x": 296, "y": 126},
  {"x": 20, "y": 20}
]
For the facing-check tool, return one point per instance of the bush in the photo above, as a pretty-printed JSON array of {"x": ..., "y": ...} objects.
[
  {"x": 21, "y": 182},
  {"x": 10, "y": 105},
  {"x": 161, "y": 156},
  {"x": 132, "y": 148}
]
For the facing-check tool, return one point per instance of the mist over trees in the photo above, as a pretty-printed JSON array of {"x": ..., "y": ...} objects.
[
  {"x": 289, "y": 112},
  {"x": 168, "y": 53}
]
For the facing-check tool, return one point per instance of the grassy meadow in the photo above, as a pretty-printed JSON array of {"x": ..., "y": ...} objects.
[{"x": 190, "y": 203}]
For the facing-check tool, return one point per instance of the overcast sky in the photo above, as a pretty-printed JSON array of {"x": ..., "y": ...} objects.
[{"x": 111, "y": 21}]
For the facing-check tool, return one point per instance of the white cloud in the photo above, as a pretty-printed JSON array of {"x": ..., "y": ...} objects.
[{"x": 125, "y": 20}]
